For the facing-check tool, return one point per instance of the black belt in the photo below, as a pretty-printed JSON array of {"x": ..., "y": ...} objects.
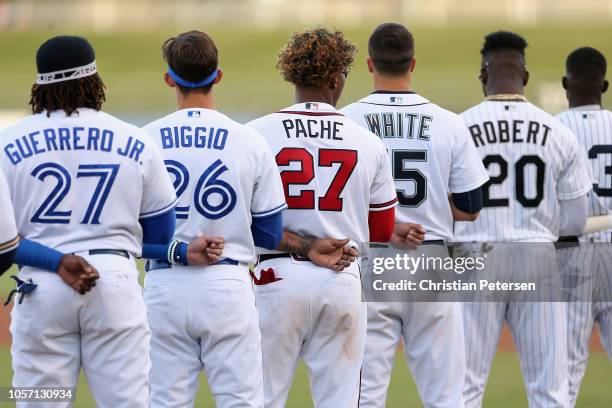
[
  {"x": 118, "y": 252},
  {"x": 567, "y": 242},
  {"x": 155, "y": 264},
  {"x": 268, "y": 257},
  {"x": 434, "y": 242}
]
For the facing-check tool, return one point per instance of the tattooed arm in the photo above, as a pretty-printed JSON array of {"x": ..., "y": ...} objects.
[{"x": 325, "y": 252}]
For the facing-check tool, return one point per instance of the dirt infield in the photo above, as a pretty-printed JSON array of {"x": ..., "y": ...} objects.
[{"x": 505, "y": 343}]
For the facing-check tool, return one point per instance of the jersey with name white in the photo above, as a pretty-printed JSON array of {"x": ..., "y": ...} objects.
[
  {"x": 224, "y": 174},
  {"x": 592, "y": 126},
  {"x": 431, "y": 156},
  {"x": 533, "y": 161},
  {"x": 8, "y": 230},
  {"x": 334, "y": 172},
  {"x": 83, "y": 181}
]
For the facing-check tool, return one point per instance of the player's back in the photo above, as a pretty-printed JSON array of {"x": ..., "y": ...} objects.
[
  {"x": 333, "y": 171},
  {"x": 81, "y": 181},
  {"x": 223, "y": 173},
  {"x": 431, "y": 156},
  {"x": 533, "y": 162},
  {"x": 592, "y": 127}
]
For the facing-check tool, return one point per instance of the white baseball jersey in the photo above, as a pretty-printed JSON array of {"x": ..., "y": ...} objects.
[
  {"x": 330, "y": 164},
  {"x": 533, "y": 161},
  {"x": 83, "y": 181},
  {"x": 8, "y": 230},
  {"x": 224, "y": 175},
  {"x": 592, "y": 125},
  {"x": 431, "y": 156}
]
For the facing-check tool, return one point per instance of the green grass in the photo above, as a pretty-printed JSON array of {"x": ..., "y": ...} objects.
[
  {"x": 447, "y": 69},
  {"x": 504, "y": 390}
]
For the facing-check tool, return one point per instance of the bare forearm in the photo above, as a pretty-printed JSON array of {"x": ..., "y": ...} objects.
[{"x": 295, "y": 244}]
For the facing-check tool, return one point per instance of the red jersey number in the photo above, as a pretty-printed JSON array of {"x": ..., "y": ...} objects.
[{"x": 331, "y": 201}]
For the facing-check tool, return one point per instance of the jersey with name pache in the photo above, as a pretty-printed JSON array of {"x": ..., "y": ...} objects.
[
  {"x": 83, "y": 181},
  {"x": 333, "y": 171}
]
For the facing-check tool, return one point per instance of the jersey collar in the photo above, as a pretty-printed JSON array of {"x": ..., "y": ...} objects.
[
  {"x": 586, "y": 108},
  {"x": 385, "y": 98},
  {"x": 312, "y": 109}
]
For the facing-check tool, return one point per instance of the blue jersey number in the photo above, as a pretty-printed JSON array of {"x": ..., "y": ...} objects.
[
  {"x": 48, "y": 212},
  {"x": 213, "y": 197}
]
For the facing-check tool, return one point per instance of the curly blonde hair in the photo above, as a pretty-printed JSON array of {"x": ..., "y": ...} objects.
[{"x": 312, "y": 58}]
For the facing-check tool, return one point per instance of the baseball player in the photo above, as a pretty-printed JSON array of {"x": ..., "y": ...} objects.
[
  {"x": 584, "y": 83},
  {"x": 227, "y": 184},
  {"x": 432, "y": 157},
  {"x": 337, "y": 182},
  {"x": 536, "y": 192},
  {"x": 91, "y": 185},
  {"x": 9, "y": 240}
]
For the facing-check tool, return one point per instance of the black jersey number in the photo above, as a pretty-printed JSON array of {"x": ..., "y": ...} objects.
[
  {"x": 519, "y": 187},
  {"x": 595, "y": 151},
  {"x": 400, "y": 160}
]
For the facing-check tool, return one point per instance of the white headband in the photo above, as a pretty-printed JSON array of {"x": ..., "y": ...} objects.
[{"x": 66, "y": 74}]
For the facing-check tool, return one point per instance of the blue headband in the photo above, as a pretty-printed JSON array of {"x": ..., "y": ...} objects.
[{"x": 188, "y": 84}]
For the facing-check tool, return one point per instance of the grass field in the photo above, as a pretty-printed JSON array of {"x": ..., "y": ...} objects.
[
  {"x": 504, "y": 390},
  {"x": 447, "y": 69}
]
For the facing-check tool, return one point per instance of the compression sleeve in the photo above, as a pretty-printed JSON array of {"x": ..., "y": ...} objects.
[
  {"x": 158, "y": 229},
  {"x": 157, "y": 233},
  {"x": 469, "y": 202},
  {"x": 381, "y": 224},
  {"x": 30, "y": 253},
  {"x": 6, "y": 260},
  {"x": 573, "y": 216},
  {"x": 268, "y": 231}
]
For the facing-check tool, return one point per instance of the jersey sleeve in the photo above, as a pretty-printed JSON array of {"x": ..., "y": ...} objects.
[
  {"x": 268, "y": 195},
  {"x": 382, "y": 191},
  {"x": 467, "y": 171},
  {"x": 158, "y": 195},
  {"x": 575, "y": 180},
  {"x": 8, "y": 230}
]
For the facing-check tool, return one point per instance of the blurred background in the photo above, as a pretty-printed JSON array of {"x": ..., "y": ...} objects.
[{"x": 127, "y": 36}]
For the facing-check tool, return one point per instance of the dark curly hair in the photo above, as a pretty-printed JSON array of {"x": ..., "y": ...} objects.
[
  {"x": 69, "y": 96},
  {"x": 311, "y": 58},
  {"x": 503, "y": 40}
]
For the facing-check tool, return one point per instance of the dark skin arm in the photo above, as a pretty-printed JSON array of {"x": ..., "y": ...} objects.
[{"x": 325, "y": 252}]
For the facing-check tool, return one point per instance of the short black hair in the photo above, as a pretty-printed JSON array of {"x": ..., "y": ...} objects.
[
  {"x": 586, "y": 62},
  {"x": 503, "y": 40},
  {"x": 193, "y": 56},
  {"x": 391, "y": 48}
]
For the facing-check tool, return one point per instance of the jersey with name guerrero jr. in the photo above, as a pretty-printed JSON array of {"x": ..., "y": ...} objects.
[
  {"x": 8, "y": 230},
  {"x": 592, "y": 126},
  {"x": 83, "y": 181},
  {"x": 533, "y": 162},
  {"x": 224, "y": 175},
  {"x": 431, "y": 156},
  {"x": 333, "y": 171}
]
